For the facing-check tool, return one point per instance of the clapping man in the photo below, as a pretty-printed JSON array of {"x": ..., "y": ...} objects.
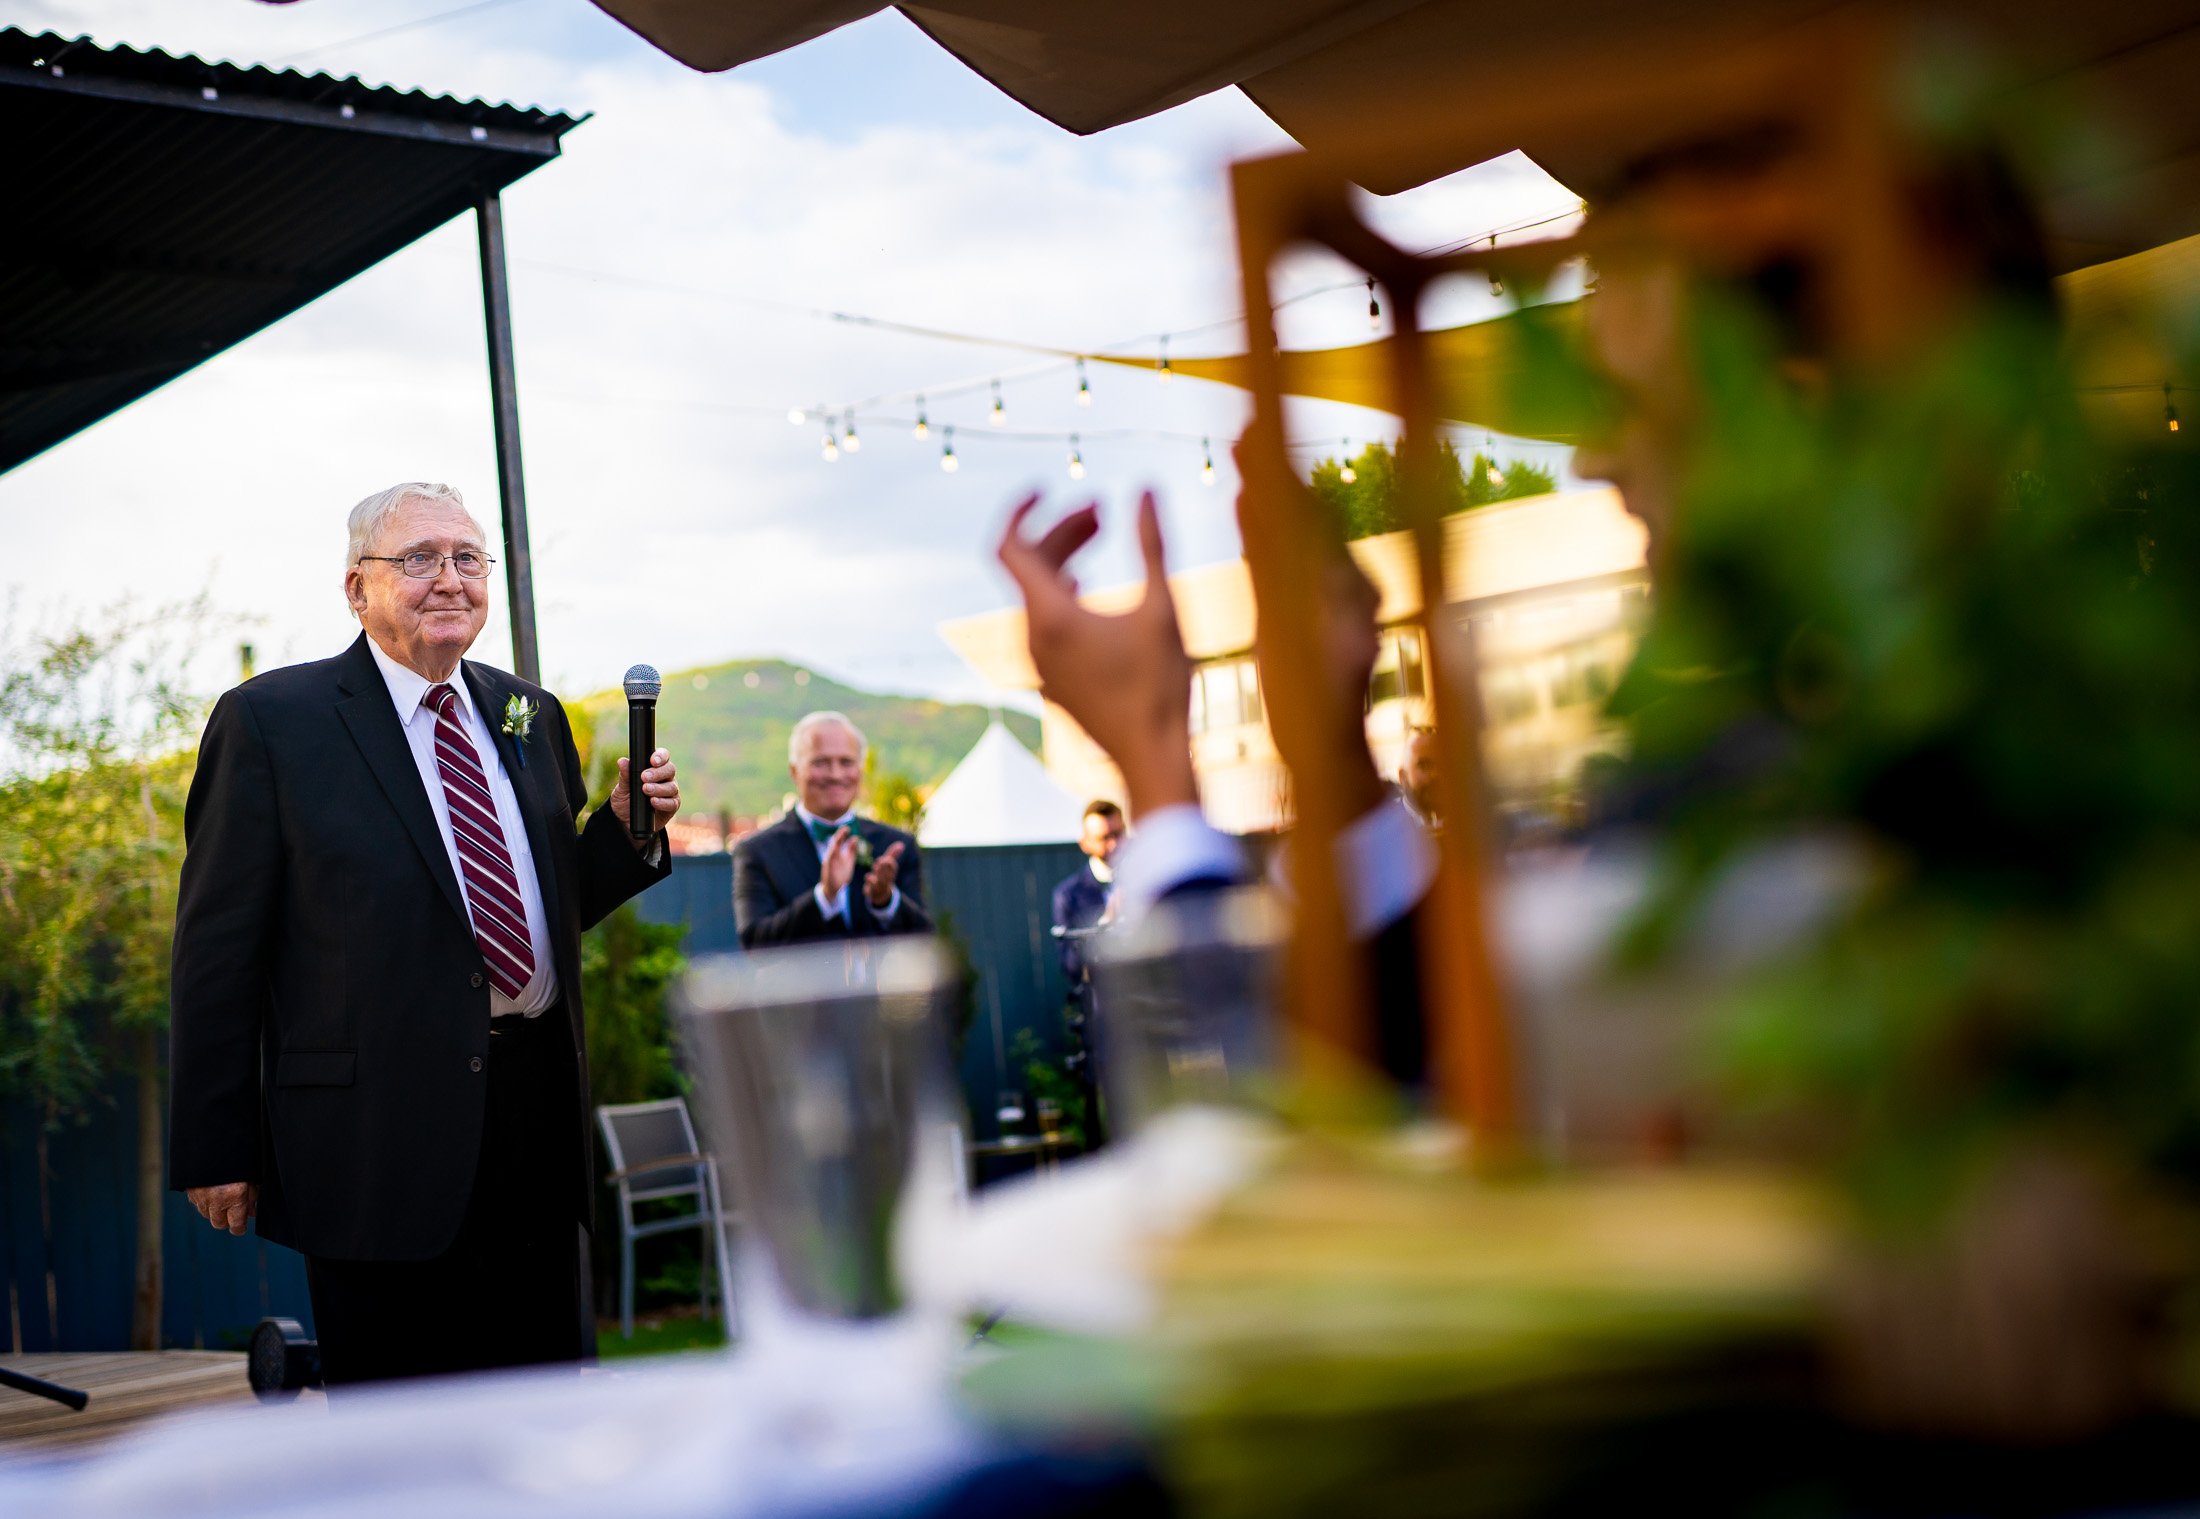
[
  {"x": 376, "y": 1037},
  {"x": 821, "y": 872}
]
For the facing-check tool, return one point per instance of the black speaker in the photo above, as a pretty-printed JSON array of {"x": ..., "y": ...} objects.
[{"x": 283, "y": 1360}]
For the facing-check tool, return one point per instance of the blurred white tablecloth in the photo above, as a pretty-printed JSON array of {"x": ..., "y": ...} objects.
[{"x": 828, "y": 1421}]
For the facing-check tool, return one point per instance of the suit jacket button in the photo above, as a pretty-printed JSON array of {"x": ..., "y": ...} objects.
[
  {"x": 473, "y": 1063},
  {"x": 474, "y": 979}
]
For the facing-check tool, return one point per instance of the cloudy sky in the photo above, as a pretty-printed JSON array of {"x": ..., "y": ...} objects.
[{"x": 666, "y": 272}]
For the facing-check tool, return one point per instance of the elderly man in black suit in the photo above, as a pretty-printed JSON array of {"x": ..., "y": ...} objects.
[
  {"x": 376, "y": 1039},
  {"x": 797, "y": 881}
]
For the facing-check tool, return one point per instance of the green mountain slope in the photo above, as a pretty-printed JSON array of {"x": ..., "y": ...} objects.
[{"x": 727, "y": 726}]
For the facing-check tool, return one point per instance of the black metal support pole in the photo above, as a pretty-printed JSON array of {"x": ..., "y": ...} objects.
[
  {"x": 519, "y": 569},
  {"x": 23, "y": 1381}
]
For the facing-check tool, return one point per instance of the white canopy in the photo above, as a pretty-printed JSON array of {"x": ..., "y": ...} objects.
[{"x": 999, "y": 794}]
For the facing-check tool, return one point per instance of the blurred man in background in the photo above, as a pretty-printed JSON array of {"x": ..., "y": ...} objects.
[
  {"x": 1417, "y": 778},
  {"x": 821, "y": 872},
  {"x": 1082, "y": 899}
]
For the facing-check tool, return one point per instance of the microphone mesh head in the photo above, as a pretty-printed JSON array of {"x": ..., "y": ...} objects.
[{"x": 642, "y": 680}]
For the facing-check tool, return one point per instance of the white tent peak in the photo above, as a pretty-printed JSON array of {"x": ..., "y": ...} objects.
[{"x": 999, "y": 794}]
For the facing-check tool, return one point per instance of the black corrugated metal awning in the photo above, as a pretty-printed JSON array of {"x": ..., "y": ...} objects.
[{"x": 166, "y": 208}]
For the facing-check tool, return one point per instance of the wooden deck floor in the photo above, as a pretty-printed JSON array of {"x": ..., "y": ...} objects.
[{"x": 126, "y": 1388}]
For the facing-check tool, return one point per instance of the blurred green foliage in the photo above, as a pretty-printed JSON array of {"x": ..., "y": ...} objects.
[
  {"x": 627, "y": 966},
  {"x": 96, "y": 753},
  {"x": 1368, "y": 503},
  {"x": 892, "y": 796},
  {"x": 1932, "y": 612},
  {"x": 1047, "y": 1079}
]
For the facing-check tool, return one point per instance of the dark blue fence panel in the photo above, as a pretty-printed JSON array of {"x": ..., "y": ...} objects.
[
  {"x": 699, "y": 893},
  {"x": 215, "y": 1286},
  {"x": 998, "y": 901}
]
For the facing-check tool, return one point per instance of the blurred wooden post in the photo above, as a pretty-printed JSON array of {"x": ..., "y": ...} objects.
[
  {"x": 1326, "y": 988},
  {"x": 1470, "y": 1044},
  {"x": 1282, "y": 201}
]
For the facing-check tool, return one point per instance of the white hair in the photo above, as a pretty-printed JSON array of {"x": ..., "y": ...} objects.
[
  {"x": 370, "y": 516},
  {"x": 809, "y": 723}
]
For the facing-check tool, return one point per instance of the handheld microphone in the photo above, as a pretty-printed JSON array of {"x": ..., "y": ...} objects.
[{"x": 642, "y": 685}]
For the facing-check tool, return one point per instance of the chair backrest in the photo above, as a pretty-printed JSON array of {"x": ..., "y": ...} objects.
[{"x": 636, "y": 1133}]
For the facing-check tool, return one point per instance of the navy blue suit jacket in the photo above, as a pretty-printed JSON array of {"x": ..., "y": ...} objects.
[{"x": 1078, "y": 902}]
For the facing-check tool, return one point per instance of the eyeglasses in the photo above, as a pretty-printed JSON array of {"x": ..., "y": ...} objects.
[{"x": 426, "y": 564}]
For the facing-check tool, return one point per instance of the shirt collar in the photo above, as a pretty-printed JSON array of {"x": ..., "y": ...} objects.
[
  {"x": 408, "y": 687},
  {"x": 1101, "y": 870},
  {"x": 808, "y": 817}
]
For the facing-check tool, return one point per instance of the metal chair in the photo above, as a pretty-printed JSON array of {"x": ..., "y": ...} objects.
[{"x": 655, "y": 1158}]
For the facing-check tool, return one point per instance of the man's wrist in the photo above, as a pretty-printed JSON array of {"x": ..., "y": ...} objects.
[{"x": 1159, "y": 774}]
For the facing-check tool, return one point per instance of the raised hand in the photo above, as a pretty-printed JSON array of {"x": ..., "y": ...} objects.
[
  {"x": 839, "y": 867},
  {"x": 878, "y": 885},
  {"x": 1124, "y": 678},
  {"x": 1344, "y": 611}
]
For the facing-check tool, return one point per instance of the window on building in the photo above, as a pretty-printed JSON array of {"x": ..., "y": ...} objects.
[
  {"x": 1398, "y": 674},
  {"x": 1225, "y": 695},
  {"x": 1249, "y": 690}
]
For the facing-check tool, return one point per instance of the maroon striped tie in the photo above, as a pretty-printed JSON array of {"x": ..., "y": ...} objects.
[{"x": 492, "y": 890}]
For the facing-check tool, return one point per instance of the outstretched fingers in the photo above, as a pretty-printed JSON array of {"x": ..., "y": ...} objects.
[{"x": 1036, "y": 563}]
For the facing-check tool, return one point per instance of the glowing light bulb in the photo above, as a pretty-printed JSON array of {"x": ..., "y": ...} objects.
[
  {"x": 1374, "y": 309},
  {"x": 849, "y": 442},
  {"x": 831, "y": 450},
  {"x": 797, "y": 415},
  {"x": 1497, "y": 284},
  {"x": 1206, "y": 463},
  {"x": 2169, "y": 407},
  {"x": 1076, "y": 460},
  {"x": 1084, "y": 386},
  {"x": 923, "y": 428},
  {"x": 1162, "y": 365},
  {"x": 948, "y": 462},
  {"x": 1348, "y": 474},
  {"x": 999, "y": 415}
]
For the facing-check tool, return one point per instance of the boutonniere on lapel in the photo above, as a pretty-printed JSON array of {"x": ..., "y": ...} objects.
[
  {"x": 519, "y": 721},
  {"x": 863, "y": 848}
]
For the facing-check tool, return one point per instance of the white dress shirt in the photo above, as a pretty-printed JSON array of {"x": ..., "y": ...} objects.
[
  {"x": 1385, "y": 862},
  {"x": 836, "y": 905},
  {"x": 408, "y": 690}
]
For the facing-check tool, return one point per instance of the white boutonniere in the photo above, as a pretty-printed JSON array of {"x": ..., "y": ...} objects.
[{"x": 519, "y": 721}]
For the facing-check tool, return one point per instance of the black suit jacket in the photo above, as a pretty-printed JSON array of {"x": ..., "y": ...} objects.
[
  {"x": 775, "y": 875},
  {"x": 330, "y": 1008},
  {"x": 1078, "y": 902}
]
